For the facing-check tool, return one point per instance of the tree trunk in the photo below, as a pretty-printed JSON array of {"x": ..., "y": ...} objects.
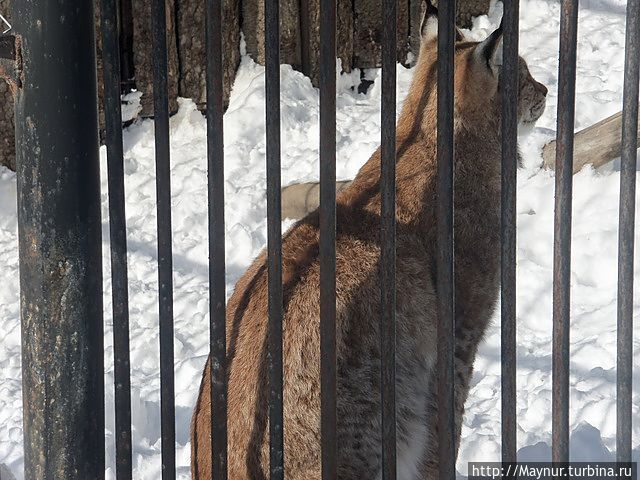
[
  {"x": 358, "y": 45},
  {"x": 253, "y": 29},
  {"x": 143, "y": 55},
  {"x": 7, "y": 130},
  {"x": 310, "y": 38},
  {"x": 367, "y": 35},
  {"x": 192, "y": 48}
]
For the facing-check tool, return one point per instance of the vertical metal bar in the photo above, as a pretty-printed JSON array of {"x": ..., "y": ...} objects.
[
  {"x": 562, "y": 230},
  {"x": 388, "y": 242},
  {"x": 445, "y": 266},
  {"x": 165, "y": 261},
  {"x": 60, "y": 242},
  {"x": 274, "y": 239},
  {"x": 118, "y": 236},
  {"x": 626, "y": 236},
  {"x": 509, "y": 79},
  {"x": 125, "y": 21},
  {"x": 217, "y": 301},
  {"x": 305, "y": 40},
  {"x": 328, "y": 237}
]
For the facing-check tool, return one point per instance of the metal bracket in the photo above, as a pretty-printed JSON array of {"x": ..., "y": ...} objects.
[{"x": 6, "y": 22}]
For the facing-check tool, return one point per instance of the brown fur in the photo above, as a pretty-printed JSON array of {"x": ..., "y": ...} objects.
[{"x": 477, "y": 204}]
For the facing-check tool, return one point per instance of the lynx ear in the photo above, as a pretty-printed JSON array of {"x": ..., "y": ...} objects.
[
  {"x": 490, "y": 51},
  {"x": 429, "y": 23}
]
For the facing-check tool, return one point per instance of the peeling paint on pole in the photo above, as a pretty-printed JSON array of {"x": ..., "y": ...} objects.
[{"x": 60, "y": 241}]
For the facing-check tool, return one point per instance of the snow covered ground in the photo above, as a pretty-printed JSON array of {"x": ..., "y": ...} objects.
[{"x": 593, "y": 323}]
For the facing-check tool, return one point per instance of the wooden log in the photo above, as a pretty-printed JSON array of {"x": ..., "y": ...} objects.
[
  {"x": 367, "y": 32},
  {"x": 310, "y": 37},
  {"x": 253, "y": 29},
  {"x": 192, "y": 48},
  {"x": 143, "y": 55},
  {"x": 302, "y": 198},
  {"x": 344, "y": 36},
  {"x": 595, "y": 145},
  {"x": 7, "y": 135}
]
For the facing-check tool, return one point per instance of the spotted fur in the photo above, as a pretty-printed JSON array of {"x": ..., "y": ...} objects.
[{"x": 477, "y": 227}]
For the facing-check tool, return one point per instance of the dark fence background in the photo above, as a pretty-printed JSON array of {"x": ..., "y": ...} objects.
[{"x": 359, "y": 39}]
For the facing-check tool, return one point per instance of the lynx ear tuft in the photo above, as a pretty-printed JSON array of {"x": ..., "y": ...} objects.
[
  {"x": 490, "y": 51},
  {"x": 429, "y": 23}
]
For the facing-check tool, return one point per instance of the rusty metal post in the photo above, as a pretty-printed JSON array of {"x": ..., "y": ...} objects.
[{"x": 59, "y": 230}]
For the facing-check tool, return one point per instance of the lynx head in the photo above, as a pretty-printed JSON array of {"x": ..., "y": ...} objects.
[{"x": 478, "y": 66}]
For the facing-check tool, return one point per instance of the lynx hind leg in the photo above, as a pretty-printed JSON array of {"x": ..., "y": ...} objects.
[{"x": 463, "y": 372}]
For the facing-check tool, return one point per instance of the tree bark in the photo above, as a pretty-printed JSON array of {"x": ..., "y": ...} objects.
[
  {"x": 7, "y": 128},
  {"x": 310, "y": 37},
  {"x": 253, "y": 29},
  {"x": 358, "y": 45},
  {"x": 367, "y": 35},
  {"x": 143, "y": 55},
  {"x": 192, "y": 48}
]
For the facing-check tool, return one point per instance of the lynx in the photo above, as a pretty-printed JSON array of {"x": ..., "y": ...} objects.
[{"x": 477, "y": 222}]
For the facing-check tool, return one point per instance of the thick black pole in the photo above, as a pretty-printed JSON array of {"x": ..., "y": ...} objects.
[{"x": 60, "y": 241}]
